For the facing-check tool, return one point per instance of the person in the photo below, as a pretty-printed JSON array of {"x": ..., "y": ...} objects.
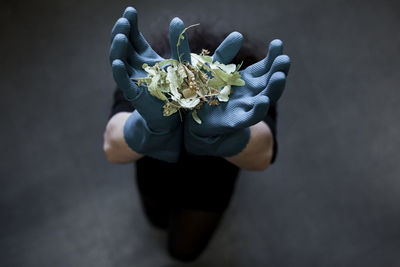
[{"x": 186, "y": 172}]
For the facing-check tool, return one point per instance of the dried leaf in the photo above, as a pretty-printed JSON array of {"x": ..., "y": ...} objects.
[
  {"x": 216, "y": 82},
  {"x": 236, "y": 80},
  {"x": 174, "y": 82},
  {"x": 189, "y": 103},
  {"x": 195, "y": 116},
  {"x": 189, "y": 86},
  {"x": 201, "y": 61},
  {"x": 223, "y": 95},
  {"x": 155, "y": 89},
  {"x": 230, "y": 68},
  {"x": 170, "y": 108}
]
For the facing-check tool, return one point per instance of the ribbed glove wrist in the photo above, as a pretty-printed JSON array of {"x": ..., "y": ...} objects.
[
  {"x": 225, "y": 145},
  {"x": 162, "y": 145}
]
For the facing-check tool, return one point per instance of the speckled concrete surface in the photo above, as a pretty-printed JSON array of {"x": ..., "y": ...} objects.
[{"x": 331, "y": 199}]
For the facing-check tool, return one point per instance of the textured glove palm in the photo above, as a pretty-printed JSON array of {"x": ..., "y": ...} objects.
[
  {"x": 225, "y": 128},
  {"x": 146, "y": 131}
]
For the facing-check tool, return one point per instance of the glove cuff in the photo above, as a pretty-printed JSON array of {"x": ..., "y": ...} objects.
[
  {"x": 163, "y": 145},
  {"x": 226, "y": 145}
]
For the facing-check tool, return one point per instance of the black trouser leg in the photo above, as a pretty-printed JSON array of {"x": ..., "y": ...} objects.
[
  {"x": 190, "y": 231},
  {"x": 156, "y": 212}
]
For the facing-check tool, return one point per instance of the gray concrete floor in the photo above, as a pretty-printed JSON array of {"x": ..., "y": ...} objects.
[{"x": 331, "y": 199}]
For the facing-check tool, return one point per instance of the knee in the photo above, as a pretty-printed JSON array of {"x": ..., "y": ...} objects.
[{"x": 184, "y": 255}]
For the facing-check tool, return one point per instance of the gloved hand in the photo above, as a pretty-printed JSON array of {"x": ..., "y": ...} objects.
[
  {"x": 225, "y": 128},
  {"x": 146, "y": 131}
]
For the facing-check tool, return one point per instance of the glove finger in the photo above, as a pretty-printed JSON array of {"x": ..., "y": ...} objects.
[
  {"x": 119, "y": 48},
  {"x": 175, "y": 29},
  {"x": 122, "y": 50},
  {"x": 275, "y": 86},
  {"x": 254, "y": 111},
  {"x": 260, "y": 110},
  {"x": 281, "y": 64},
  {"x": 136, "y": 37},
  {"x": 228, "y": 49},
  {"x": 123, "y": 81},
  {"x": 121, "y": 26},
  {"x": 262, "y": 66},
  {"x": 231, "y": 116}
]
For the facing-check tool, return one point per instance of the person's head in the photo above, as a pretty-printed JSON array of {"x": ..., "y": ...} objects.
[{"x": 208, "y": 37}]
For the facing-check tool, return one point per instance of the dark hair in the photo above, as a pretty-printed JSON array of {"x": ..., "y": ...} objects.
[{"x": 208, "y": 37}]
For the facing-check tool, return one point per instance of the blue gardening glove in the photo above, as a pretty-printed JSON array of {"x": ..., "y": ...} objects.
[
  {"x": 146, "y": 131},
  {"x": 225, "y": 128}
]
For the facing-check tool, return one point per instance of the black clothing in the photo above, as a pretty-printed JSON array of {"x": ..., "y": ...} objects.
[
  {"x": 184, "y": 184},
  {"x": 188, "y": 197}
]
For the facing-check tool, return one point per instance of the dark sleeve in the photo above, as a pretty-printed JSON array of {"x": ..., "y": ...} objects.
[
  {"x": 120, "y": 104},
  {"x": 270, "y": 120}
]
